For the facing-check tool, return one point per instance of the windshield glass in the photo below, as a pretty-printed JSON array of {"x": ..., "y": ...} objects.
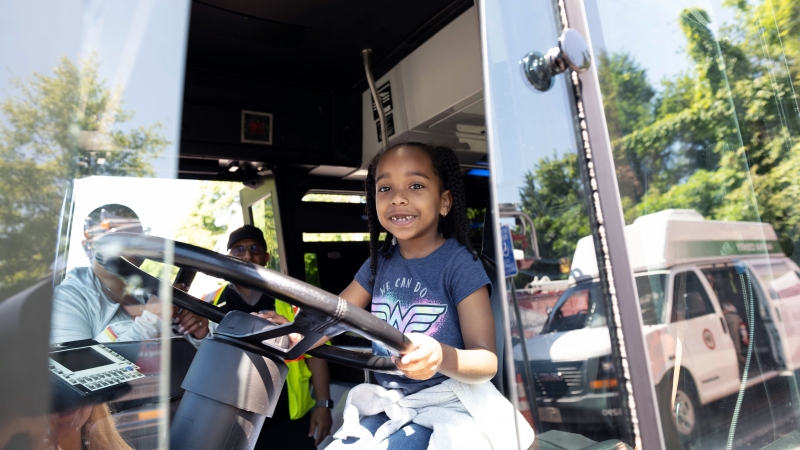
[
  {"x": 90, "y": 118},
  {"x": 579, "y": 307},
  {"x": 697, "y": 98}
]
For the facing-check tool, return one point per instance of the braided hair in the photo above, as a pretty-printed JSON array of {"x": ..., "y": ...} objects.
[{"x": 454, "y": 225}]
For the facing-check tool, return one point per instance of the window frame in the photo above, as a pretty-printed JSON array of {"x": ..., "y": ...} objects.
[
  {"x": 714, "y": 303},
  {"x": 666, "y": 274},
  {"x": 607, "y": 224}
]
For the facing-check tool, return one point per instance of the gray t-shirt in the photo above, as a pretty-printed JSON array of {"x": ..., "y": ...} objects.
[{"x": 420, "y": 295}]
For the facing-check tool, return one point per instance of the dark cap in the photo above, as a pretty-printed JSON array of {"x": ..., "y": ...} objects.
[{"x": 246, "y": 232}]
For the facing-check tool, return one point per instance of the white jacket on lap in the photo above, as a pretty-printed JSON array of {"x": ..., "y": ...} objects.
[{"x": 462, "y": 416}]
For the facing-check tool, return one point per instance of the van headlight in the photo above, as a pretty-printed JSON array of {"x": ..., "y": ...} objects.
[{"x": 606, "y": 375}]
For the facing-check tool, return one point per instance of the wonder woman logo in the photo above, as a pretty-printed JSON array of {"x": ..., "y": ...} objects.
[{"x": 417, "y": 318}]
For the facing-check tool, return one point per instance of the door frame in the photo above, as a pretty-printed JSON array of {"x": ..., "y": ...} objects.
[
  {"x": 604, "y": 208},
  {"x": 250, "y": 196},
  {"x": 612, "y": 253}
]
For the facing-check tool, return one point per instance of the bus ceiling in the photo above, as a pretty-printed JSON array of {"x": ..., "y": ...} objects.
[{"x": 282, "y": 84}]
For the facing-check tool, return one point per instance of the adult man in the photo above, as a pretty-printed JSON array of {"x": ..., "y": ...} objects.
[
  {"x": 92, "y": 303},
  {"x": 296, "y": 418}
]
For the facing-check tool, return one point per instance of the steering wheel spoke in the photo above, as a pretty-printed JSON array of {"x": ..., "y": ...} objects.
[{"x": 255, "y": 330}]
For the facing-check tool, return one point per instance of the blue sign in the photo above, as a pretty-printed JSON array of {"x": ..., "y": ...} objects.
[{"x": 509, "y": 263}]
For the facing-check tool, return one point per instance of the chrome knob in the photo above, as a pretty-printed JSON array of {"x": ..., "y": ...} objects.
[{"x": 572, "y": 52}]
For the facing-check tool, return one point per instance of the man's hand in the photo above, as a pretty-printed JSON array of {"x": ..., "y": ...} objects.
[
  {"x": 424, "y": 360},
  {"x": 272, "y": 316},
  {"x": 278, "y": 319},
  {"x": 191, "y": 324},
  {"x": 321, "y": 422},
  {"x": 153, "y": 305}
]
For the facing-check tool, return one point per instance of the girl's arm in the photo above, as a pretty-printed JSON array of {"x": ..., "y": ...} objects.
[
  {"x": 476, "y": 364},
  {"x": 355, "y": 294}
]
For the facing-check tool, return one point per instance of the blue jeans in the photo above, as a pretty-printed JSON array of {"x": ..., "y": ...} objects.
[{"x": 410, "y": 437}]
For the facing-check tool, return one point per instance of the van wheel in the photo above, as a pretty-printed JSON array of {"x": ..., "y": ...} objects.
[{"x": 681, "y": 420}]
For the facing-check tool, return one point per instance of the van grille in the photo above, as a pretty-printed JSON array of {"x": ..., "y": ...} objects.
[{"x": 558, "y": 379}]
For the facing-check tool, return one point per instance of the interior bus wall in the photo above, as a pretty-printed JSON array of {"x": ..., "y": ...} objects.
[
  {"x": 302, "y": 63},
  {"x": 310, "y": 125},
  {"x": 311, "y": 217},
  {"x": 312, "y": 41}
]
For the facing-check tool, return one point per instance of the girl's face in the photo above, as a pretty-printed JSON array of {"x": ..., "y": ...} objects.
[{"x": 408, "y": 196}]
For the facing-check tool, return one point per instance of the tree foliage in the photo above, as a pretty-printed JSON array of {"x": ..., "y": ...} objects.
[
  {"x": 720, "y": 137},
  {"x": 215, "y": 209},
  {"x": 552, "y": 196},
  {"x": 56, "y": 128}
]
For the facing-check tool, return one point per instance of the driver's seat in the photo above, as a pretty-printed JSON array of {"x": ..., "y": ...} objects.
[{"x": 488, "y": 258}]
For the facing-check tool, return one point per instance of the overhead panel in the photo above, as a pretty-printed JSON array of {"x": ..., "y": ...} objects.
[{"x": 434, "y": 95}]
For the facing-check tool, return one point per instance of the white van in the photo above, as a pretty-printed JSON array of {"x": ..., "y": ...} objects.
[{"x": 693, "y": 277}]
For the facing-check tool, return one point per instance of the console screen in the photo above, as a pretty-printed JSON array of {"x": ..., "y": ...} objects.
[{"x": 80, "y": 359}]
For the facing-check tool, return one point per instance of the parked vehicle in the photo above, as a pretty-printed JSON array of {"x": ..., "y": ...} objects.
[{"x": 692, "y": 276}]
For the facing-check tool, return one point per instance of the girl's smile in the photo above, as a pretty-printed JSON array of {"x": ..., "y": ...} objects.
[{"x": 402, "y": 220}]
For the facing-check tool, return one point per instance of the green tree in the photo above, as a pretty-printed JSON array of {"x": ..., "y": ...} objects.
[
  {"x": 720, "y": 137},
  {"x": 627, "y": 101},
  {"x": 727, "y": 129},
  {"x": 215, "y": 208},
  {"x": 552, "y": 196},
  {"x": 54, "y": 129}
]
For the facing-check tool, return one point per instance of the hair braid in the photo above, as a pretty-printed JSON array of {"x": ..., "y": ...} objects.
[
  {"x": 372, "y": 217},
  {"x": 456, "y": 223}
]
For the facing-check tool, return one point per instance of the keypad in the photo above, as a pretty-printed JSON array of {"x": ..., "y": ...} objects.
[
  {"x": 123, "y": 371},
  {"x": 109, "y": 378}
]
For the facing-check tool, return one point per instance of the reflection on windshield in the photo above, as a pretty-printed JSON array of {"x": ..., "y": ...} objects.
[
  {"x": 711, "y": 201},
  {"x": 87, "y": 90},
  {"x": 60, "y": 126}
]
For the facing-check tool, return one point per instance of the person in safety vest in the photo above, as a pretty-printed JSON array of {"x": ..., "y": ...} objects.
[{"x": 297, "y": 418}]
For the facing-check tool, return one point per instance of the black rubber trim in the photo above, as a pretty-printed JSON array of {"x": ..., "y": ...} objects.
[{"x": 355, "y": 359}]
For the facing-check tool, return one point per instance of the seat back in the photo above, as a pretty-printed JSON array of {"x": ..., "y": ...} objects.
[{"x": 489, "y": 260}]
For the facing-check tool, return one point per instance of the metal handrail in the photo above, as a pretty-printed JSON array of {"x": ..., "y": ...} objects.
[
  {"x": 365, "y": 54},
  {"x": 508, "y": 211}
]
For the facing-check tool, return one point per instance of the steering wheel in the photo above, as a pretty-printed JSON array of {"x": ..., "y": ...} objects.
[{"x": 321, "y": 314}]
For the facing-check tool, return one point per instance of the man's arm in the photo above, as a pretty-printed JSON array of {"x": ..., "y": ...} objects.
[
  {"x": 70, "y": 321},
  {"x": 321, "y": 420}
]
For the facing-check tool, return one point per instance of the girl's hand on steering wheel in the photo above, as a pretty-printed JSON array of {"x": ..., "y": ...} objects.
[{"x": 424, "y": 360}]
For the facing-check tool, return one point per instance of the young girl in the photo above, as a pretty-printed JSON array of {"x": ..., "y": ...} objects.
[{"x": 425, "y": 279}]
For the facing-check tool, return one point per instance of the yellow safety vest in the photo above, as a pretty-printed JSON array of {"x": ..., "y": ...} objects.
[{"x": 299, "y": 375}]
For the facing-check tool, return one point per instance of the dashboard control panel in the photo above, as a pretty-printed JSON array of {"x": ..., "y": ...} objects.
[{"x": 90, "y": 366}]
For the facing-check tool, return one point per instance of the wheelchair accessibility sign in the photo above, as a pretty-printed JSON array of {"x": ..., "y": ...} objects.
[{"x": 509, "y": 263}]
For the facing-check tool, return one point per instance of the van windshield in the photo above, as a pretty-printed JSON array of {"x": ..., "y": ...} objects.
[{"x": 579, "y": 307}]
